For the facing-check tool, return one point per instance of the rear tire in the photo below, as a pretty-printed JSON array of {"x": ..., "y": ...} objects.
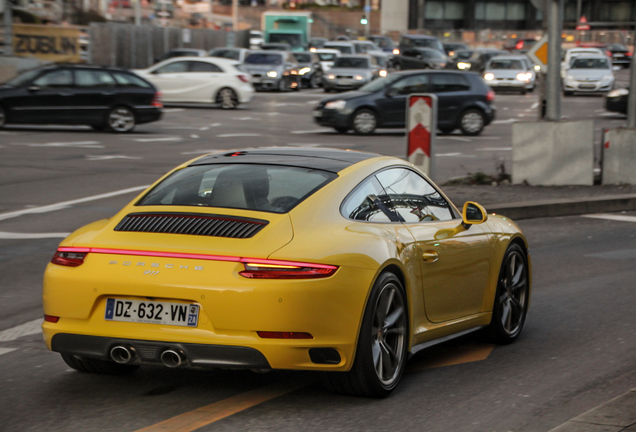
[
  {"x": 121, "y": 119},
  {"x": 472, "y": 122},
  {"x": 96, "y": 366},
  {"x": 382, "y": 345},
  {"x": 227, "y": 98}
]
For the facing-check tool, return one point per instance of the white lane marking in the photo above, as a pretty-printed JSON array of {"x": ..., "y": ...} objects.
[
  {"x": 171, "y": 110},
  {"x": 534, "y": 105},
  {"x": 204, "y": 128},
  {"x": 245, "y": 118},
  {"x": 6, "y": 350},
  {"x": 66, "y": 204},
  {"x": 7, "y": 133},
  {"x": 312, "y": 102},
  {"x": 238, "y": 135},
  {"x": 494, "y": 149},
  {"x": 194, "y": 136},
  {"x": 458, "y": 139},
  {"x": 181, "y": 127},
  {"x": 607, "y": 114},
  {"x": 511, "y": 120},
  {"x": 158, "y": 139},
  {"x": 273, "y": 113},
  {"x": 318, "y": 145},
  {"x": 196, "y": 152},
  {"x": 281, "y": 104},
  {"x": 27, "y": 236},
  {"x": 312, "y": 131},
  {"x": 109, "y": 157},
  {"x": 215, "y": 124},
  {"x": 28, "y": 328},
  {"x": 454, "y": 155},
  {"x": 621, "y": 218},
  {"x": 83, "y": 144}
]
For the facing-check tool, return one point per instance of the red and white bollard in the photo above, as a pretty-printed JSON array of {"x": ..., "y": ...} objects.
[{"x": 421, "y": 127}]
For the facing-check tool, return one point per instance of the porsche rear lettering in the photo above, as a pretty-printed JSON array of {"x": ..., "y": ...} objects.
[{"x": 157, "y": 265}]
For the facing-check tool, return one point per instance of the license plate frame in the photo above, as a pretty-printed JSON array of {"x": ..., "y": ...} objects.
[{"x": 152, "y": 312}]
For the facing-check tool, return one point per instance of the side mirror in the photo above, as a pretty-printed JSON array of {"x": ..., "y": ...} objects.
[
  {"x": 473, "y": 214},
  {"x": 391, "y": 92}
]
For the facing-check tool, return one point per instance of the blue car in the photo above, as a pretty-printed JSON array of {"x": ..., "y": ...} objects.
[{"x": 464, "y": 102}]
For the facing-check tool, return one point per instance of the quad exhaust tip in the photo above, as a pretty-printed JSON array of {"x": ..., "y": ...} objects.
[
  {"x": 122, "y": 355},
  {"x": 172, "y": 358}
]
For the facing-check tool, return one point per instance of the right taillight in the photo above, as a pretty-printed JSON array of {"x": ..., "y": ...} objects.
[
  {"x": 70, "y": 257},
  {"x": 270, "y": 269},
  {"x": 156, "y": 100},
  {"x": 243, "y": 78},
  {"x": 490, "y": 96}
]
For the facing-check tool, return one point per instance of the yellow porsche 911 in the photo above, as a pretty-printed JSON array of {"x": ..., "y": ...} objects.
[{"x": 285, "y": 258}]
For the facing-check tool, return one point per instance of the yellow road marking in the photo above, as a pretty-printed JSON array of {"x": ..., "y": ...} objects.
[
  {"x": 440, "y": 356},
  {"x": 209, "y": 414}
]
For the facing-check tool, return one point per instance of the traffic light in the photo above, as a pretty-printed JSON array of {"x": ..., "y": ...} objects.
[{"x": 363, "y": 20}]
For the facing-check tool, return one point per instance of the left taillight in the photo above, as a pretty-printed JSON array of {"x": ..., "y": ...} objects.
[
  {"x": 156, "y": 100},
  {"x": 69, "y": 257},
  {"x": 244, "y": 78},
  {"x": 283, "y": 270}
]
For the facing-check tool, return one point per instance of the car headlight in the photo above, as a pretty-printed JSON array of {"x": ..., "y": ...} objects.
[
  {"x": 272, "y": 74},
  {"x": 359, "y": 77},
  {"x": 463, "y": 65},
  {"x": 396, "y": 51},
  {"x": 618, "y": 92},
  {"x": 382, "y": 73},
  {"x": 537, "y": 68},
  {"x": 331, "y": 77},
  {"x": 336, "y": 105},
  {"x": 489, "y": 77},
  {"x": 304, "y": 70},
  {"x": 312, "y": 49},
  {"x": 525, "y": 77},
  {"x": 569, "y": 78}
]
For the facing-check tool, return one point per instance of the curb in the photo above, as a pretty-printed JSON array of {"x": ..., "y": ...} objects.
[
  {"x": 617, "y": 415},
  {"x": 566, "y": 207}
]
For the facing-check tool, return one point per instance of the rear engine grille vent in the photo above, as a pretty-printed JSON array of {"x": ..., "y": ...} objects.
[{"x": 192, "y": 224}]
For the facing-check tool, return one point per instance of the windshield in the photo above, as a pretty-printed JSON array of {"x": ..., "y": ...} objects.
[
  {"x": 428, "y": 43},
  {"x": 590, "y": 63},
  {"x": 433, "y": 54},
  {"x": 327, "y": 56},
  {"x": 506, "y": 64},
  {"x": 24, "y": 78},
  {"x": 344, "y": 49},
  {"x": 268, "y": 59},
  {"x": 288, "y": 38},
  {"x": 616, "y": 47},
  {"x": 303, "y": 58},
  {"x": 351, "y": 62},
  {"x": 379, "y": 84},
  {"x": 268, "y": 188}
]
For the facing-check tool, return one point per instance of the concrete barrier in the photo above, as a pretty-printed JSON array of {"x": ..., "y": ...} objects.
[
  {"x": 553, "y": 153},
  {"x": 619, "y": 156}
]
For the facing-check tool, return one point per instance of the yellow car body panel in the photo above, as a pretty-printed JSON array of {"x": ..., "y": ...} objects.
[{"x": 454, "y": 294}]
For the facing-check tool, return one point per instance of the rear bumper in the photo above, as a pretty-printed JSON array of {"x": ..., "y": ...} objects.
[
  {"x": 616, "y": 104},
  {"x": 147, "y": 114}
]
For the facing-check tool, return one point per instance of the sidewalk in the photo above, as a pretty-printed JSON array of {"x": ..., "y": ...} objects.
[
  {"x": 528, "y": 202},
  {"x": 617, "y": 415}
]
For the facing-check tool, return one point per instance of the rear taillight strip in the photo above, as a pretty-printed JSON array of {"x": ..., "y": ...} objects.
[{"x": 196, "y": 256}]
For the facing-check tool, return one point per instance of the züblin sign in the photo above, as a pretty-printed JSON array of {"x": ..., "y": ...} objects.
[{"x": 57, "y": 44}]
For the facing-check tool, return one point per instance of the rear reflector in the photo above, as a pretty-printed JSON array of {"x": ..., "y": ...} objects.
[
  {"x": 284, "y": 335},
  {"x": 51, "y": 318},
  {"x": 156, "y": 100},
  {"x": 71, "y": 258},
  {"x": 277, "y": 270}
]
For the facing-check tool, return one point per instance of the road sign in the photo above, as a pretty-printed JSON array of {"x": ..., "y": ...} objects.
[
  {"x": 539, "y": 52},
  {"x": 583, "y": 25},
  {"x": 421, "y": 124}
]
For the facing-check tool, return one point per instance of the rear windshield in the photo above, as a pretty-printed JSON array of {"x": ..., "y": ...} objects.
[
  {"x": 273, "y": 59},
  {"x": 303, "y": 58},
  {"x": 327, "y": 56},
  {"x": 344, "y": 49},
  {"x": 225, "y": 53},
  {"x": 463, "y": 55},
  {"x": 428, "y": 43},
  {"x": 268, "y": 188},
  {"x": 507, "y": 64},
  {"x": 351, "y": 62},
  {"x": 590, "y": 63}
]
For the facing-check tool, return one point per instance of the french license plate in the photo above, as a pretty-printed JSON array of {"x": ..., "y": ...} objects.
[
  {"x": 619, "y": 55},
  {"x": 345, "y": 81},
  {"x": 152, "y": 312},
  {"x": 317, "y": 113}
]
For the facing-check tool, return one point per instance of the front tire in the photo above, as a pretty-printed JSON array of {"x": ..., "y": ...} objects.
[
  {"x": 97, "y": 366},
  {"x": 511, "y": 299},
  {"x": 382, "y": 346},
  {"x": 472, "y": 122},
  {"x": 227, "y": 98},
  {"x": 121, "y": 119},
  {"x": 364, "y": 122}
]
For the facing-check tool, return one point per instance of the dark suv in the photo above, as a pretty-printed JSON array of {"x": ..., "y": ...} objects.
[
  {"x": 464, "y": 102},
  {"x": 419, "y": 41}
]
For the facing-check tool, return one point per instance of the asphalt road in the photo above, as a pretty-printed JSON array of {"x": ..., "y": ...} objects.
[{"x": 575, "y": 353}]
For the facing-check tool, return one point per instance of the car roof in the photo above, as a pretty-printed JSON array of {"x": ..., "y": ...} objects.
[
  {"x": 324, "y": 159},
  {"x": 327, "y": 50},
  {"x": 270, "y": 52},
  {"x": 591, "y": 56},
  {"x": 343, "y": 43},
  {"x": 414, "y": 36}
]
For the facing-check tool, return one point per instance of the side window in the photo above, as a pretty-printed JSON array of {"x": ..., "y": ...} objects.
[
  {"x": 129, "y": 80},
  {"x": 360, "y": 205},
  {"x": 92, "y": 78},
  {"x": 449, "y": 83},
  {"x": 176, "y": 67},
  {"x": 55, "y": 79},
  {"x": 412, "y": 84},
  {"x": 197, "y": 66},
  {"x": 412, "y": 197}
]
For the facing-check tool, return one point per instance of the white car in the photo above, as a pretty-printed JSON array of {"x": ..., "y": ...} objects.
[
  {"x": 327, "y": 57},
  {"x": 589, "y": 74},
  {"x": 200, "y": 80},
  {"x": 512, "y": 72},
  {"x": 572, "y": 53}
]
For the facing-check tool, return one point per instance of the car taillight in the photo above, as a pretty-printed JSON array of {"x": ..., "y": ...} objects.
[
  {"x": 268, "y": 269},
  {"x": 490, "y": 96},
  {"x": 284, "y": 335},
  {"x": 243, "y": 78},
  {"x": 70, "y": 257},
  {"x": 608, "y": 53},
  {"x": 519, "y": 45},
  {"x": 156, "y": 100}
]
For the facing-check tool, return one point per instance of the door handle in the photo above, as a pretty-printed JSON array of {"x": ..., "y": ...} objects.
[{"x": 430, "y": 256}]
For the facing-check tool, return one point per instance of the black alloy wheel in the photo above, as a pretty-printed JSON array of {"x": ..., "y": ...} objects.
[
  {"x": 96, "y": 366},
  {"x": 511, "y": 299},
  {"x": 227, "y": 98},
  {"x": 382, "y": 345}
]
